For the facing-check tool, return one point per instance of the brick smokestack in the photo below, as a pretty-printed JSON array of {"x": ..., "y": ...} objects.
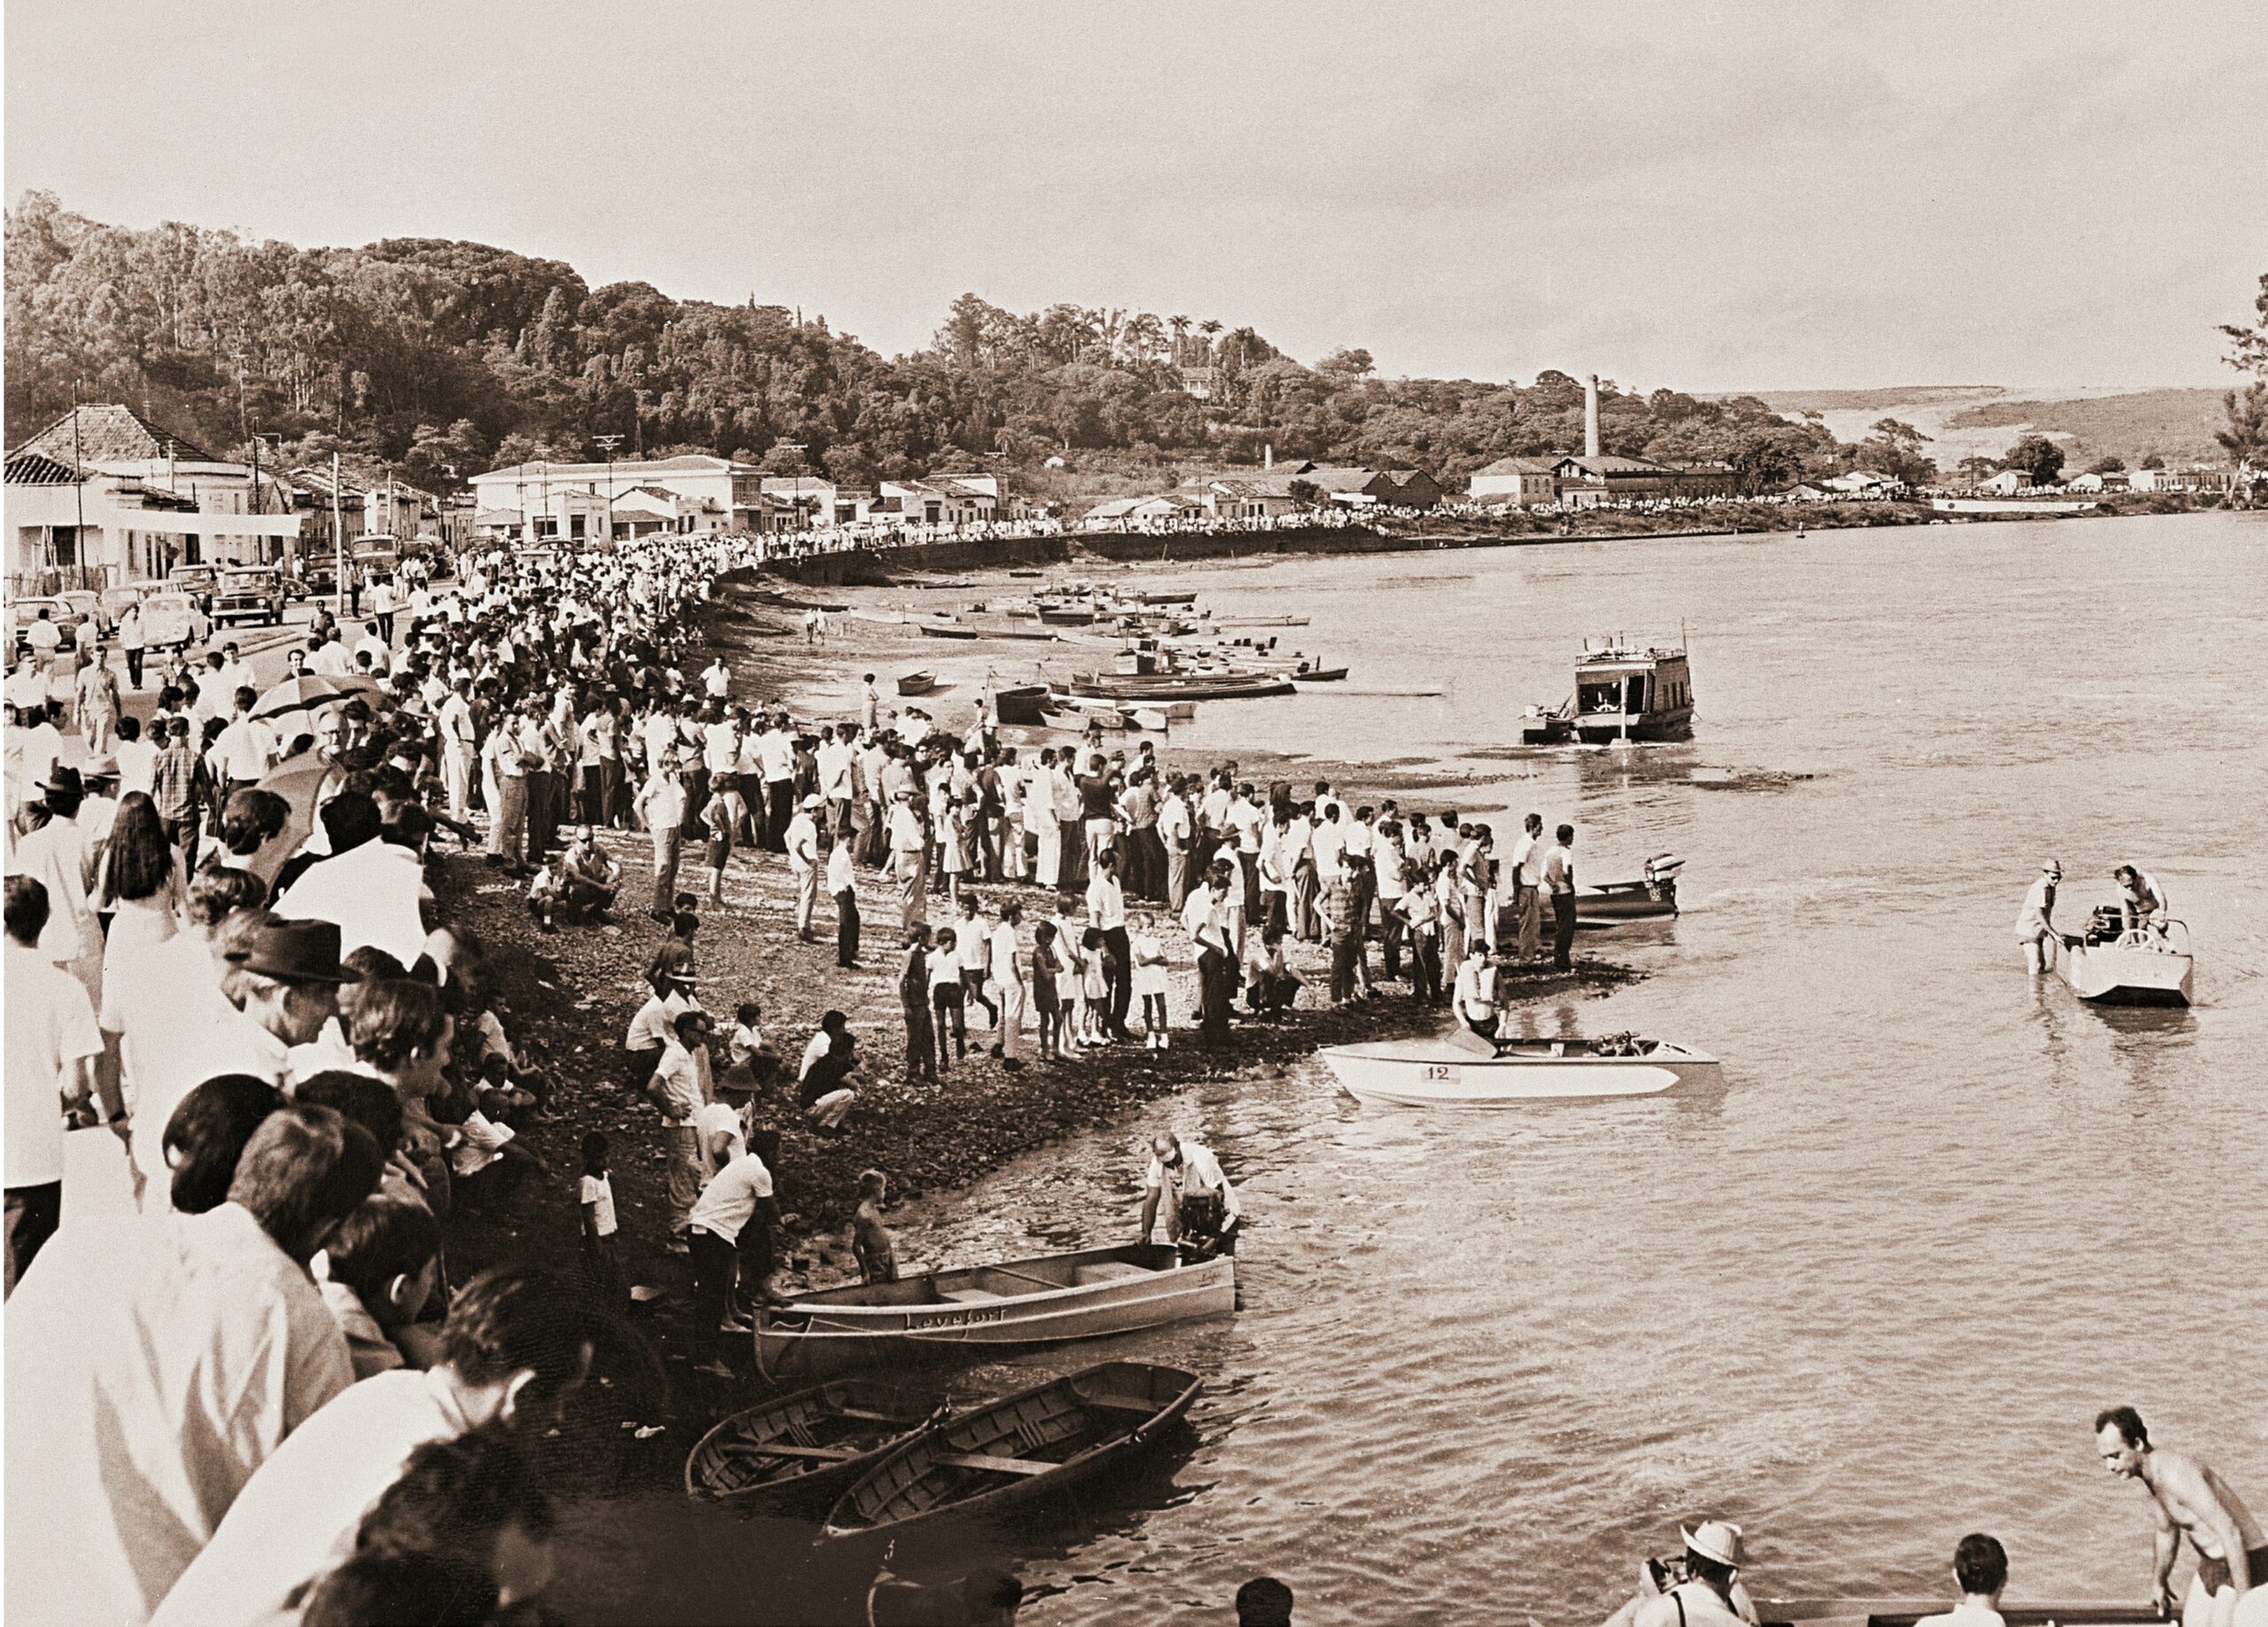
[{"x": 1590, "y": 414}]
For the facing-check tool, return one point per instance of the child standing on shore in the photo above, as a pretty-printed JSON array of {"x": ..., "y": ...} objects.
[
  {"x": 1094, "y": 988},
  {"x": 1150, "y": 979},
  {"x": 870, "y": 1239},
  {"x": 602, "y": 1244},
  {"x": 945, "y": 995},
  {"x": 717, "y": 817},
  {"x": 1046, "y": 1002}
]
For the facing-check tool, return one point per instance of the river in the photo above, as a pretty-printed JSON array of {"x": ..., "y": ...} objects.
[{"x": 1864, "y": 1296}]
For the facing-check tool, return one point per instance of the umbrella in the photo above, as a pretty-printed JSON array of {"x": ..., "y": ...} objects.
[
  {"x": 300, "y": 781},
  {"x": 299, "y": 694}
]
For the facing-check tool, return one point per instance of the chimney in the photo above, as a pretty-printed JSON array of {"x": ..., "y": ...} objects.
[
  {"x": 1267, "y": 456},
  {"x": 1590, "y": 414}
]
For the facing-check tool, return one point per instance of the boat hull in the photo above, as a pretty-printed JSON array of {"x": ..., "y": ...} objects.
[
  {"x": 1905, "y": 1612},
  {"x": 917, "y": 683},
  {"x": 2127, "y": 974},
  {"x": 800, "y": 1452},
  {"x": 1194, "y": 686},
  {"x": 1434, "y": 1073},
  {"x": 1618, "y": 902},
  {"x": 962, "y": 1315},
  {"x": 1605, "y": 728},
  {"x": 1021, "y": 706}
]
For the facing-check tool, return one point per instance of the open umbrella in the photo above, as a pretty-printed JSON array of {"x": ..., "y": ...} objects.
[
  {"x": 300, "y": 781},
  {"x": 299, "y": 695}
]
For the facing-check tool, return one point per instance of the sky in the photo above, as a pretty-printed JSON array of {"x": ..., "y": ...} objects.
[{"x": 1703, "y": 194}]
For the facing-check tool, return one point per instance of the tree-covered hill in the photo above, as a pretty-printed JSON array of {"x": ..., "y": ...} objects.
[{"x": 443, "y": 359}]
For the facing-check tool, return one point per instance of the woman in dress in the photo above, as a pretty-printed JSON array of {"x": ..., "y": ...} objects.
[{"x": 139, "y": 881}]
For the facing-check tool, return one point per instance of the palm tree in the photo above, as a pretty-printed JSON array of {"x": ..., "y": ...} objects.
[
  {"x": 1180, "y": 329},
  {"x": 1143, "y": 335},
  {"x": 1209, "y": 328}
]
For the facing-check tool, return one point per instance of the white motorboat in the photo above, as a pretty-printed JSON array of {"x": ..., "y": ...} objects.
[
  {"x": 1464, "y": 1070},
  {"x": 2114, "y": 967}
]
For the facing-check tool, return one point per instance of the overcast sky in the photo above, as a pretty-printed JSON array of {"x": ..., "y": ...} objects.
[{"x": 1705, "y": 194}]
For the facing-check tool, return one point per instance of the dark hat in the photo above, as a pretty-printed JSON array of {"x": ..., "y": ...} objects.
[
  {"x": 294, "y": 952},
  {"x": 64, "y": 779}
]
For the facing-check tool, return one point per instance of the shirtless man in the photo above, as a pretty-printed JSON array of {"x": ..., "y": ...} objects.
[
  {"x": 2141, "y": 899},
  {"x": 2192, "y": 1501},
  {"x": 870, "y": 1239}
]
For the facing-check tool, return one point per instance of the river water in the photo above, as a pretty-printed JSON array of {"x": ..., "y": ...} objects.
[{"x": 1864, "y": 1296}]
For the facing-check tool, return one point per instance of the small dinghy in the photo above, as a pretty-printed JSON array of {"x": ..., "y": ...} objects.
[
  {"x": 1906, "y": 1612},
  {"x": 1030, "y": 1448},
  {"x": 945, "y": 629},
  {"x": 1021, "y": 705},
  {"x": 1461, "y": 1070},
  {"x": 984, "y": 1311},
  {"x": 800, "y": 1451},
  {"x": 917, "y": 683},
  {"x": 2113, "y": 967},
  {"x": 1654, "y": 897}
]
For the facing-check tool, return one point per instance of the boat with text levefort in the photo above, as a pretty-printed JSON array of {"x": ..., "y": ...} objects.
[
  {"x": 1464, "y": 1070},
  {"x": 1624, "y": 692},
  {"x": 982, "y": 1310}
]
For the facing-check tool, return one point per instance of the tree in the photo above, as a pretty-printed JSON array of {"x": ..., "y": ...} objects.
[
  {"x": 2248, "y": 347},
  {"x": 2246, "y": 438},
  {"x": 1977, "y": 469},
  {"x": 2154, "y": 462},
  {"x": 2037, "y": 457},
  {"x": 1343, "y": 363},
  {"x": 1894, "y": 449},
  {"x": 2112, "y": 465},
  {"x": 1307, "y": 494}
]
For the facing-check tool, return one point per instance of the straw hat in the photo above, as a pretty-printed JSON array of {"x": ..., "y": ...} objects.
[{"x": 1713, "y": 1539}]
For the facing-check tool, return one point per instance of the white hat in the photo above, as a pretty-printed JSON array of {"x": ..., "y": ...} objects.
[
  {"x": 812, "y": 802},
  {"x": 1713, "y": 1539},
  {"x": 2051, "y": 869}
]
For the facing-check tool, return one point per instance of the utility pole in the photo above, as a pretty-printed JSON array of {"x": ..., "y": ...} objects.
[
  {"x": 338, "y": 545},
  {"x": 78, "y": 488},
  {"x": 607, "y": 443}
]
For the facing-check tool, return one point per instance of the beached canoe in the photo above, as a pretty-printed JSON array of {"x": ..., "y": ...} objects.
[
  {"x": 982, "y": 1310},
  {"x": 1021, "y": 705},
  {"x": 800, "y": 1451},
  {"x": 945, "y": 629},
  {"x": 917, "y": 683},
  {"x": 2129, "y": 969},
  {"x": 1025, "y": 1450},
  {"x": 1459, "y": 1071},
  {"x": 1150, "y": 687}
]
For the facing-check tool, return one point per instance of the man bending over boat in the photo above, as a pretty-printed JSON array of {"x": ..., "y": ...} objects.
[
  {"x": 2036, "y": 925},
  {"x": 2141, "y": 899},
  {"x": 2194, "y": 1502},
  {"x": 1708, "y": 1592},
  {"x": 1201, "y": 1212}
]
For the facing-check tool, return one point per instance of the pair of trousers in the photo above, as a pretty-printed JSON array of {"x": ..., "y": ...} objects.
[
  {"x": 590, "y": 794},
  {"x": 1530, "y": 918},
  {"x": 912, "y": 868},
  {"x": 1121, "y": 978},
  {"x": 1177, "y": 878},
  {"x": 951, "y": 1019},
  {"x": 456, "y": 780},
  {"x": 669, "y": 846},
  {"x": 133, "y": 668},
  {"x": 1390, "y": 937},
  {"x": 508, "y": 830},
  {"x": 921, "y": 1041},
  {"x": 543, "y": 812},
  {"x": 34, "y": 1214},
  {"x": 1049, "y": 871},
  {"x": 779, "y": 800},
  {"x": 1216, "y": 979},
  {"x": 1563, "y": 931},
  {"x": 384, "y": 619},
  {"x": 686, "y": 1170},
  {"x": 806, "y": 898},
  {"x": 714, "y": 1261},
  {"x": 1345, "y": 947},
  {"x": 846, "y": 928},
  {"x": 1012, "y": 1016},
  {"x": 1425, "y": 966}
]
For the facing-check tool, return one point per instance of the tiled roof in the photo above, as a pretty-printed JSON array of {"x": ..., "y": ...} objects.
[
  {"x": 30, "y": 468},
  {"x": 1618, "y": 466},
  {"x": 109, "y": 433},
  {"x": 1520, "y": 466}
]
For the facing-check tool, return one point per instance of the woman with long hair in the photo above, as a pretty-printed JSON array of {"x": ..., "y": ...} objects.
[{"x": 139, "y": 881}]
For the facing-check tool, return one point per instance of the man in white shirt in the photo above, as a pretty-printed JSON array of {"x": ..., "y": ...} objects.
[
  {"x": 731, "y": 1230},
  {"x": 834, "y": 782},
  {"x": 51, "y": 1045},
  {"x": 515, "y": 1344},
  {"x": 775, "y": 750},
  {"x": 843, "y": 887},
  {"x": 676, "y": 1093},
  {"x": 1176, "y": 829},
  {"x": 717, "y": 679},
  {"x": 459, "y": 744},
  {"x": 59, "y": 856},
  {"x": 1007, "y": 968},
  {"x": 372, "y": 888},
  {"x": 1527, "y": 866},
  {"x": 1200, "y": 1206},
  {"x": 137, "y": 759},
  {"x": 802, "y": 842},
  {"x": 137, "y": 1412},
  {"x": 1980, "y": 1566},
  {"x": 1558, "y": 879},
  {"x": 1042, "y": 822}
]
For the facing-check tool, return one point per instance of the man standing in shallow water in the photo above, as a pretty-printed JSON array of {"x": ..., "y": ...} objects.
[{"x": 2192, "y": 1500}]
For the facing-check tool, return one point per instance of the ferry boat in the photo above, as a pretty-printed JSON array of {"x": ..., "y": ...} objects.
[{"x": 1623, "y": 692}]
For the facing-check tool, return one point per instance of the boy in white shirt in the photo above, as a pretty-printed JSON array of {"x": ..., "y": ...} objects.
[{"x": 1980, "y": 1565}]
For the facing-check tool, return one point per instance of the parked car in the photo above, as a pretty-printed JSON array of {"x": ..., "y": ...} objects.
[
  {"x": 86, "y": 609},
  {"x": 23, "y": 612},
  {"x": 197, "y": 581},
  {"x": 170, "y": 616},
  {"x": 250, "y": 593},
  {"x": 114, "y": 601}
]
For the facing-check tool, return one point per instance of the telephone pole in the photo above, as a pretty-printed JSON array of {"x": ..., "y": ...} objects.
[{"x": 607, "y": 443}]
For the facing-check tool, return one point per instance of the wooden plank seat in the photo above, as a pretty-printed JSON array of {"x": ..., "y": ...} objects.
[
  {"x": 967, "y": 1296},
  {"x": 998, "y": 1466},
  {"x": 769, "y": 1449}
]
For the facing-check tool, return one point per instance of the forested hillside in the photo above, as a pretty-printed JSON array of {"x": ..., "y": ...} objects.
[{"x": 445, "y": 358}]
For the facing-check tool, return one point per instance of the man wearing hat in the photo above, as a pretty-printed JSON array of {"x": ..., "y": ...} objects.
[
  {"x": 59, "y": 856},
  {"x": 803, "y": 861},
  {"x": 2035, "y": 931},
  {"x": 282, "y": 977},
  {"x": 1709, "y": 1593}
]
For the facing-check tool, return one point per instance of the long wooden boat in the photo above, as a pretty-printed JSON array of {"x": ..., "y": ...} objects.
[
  {"x": 1460, "y": 1072},
  {"x": 800, "y": 1451},
  {"x": 917, "y": 683},
  {"x": 1314, "y": 674},
  {"x": 981, "y": 1310},
  {"x": 1906, "y": 1612},
  {"x": 1022, "y": 705},
  {"x": 2128, "y": 968},
  {"x": 1179, "y": 685},
  {"x": 945, "y": 629},
  {"x": 1028, "y": 1448},
  {"x": 1068, "y": 615},
  {"x": 1652, "y": 897}
]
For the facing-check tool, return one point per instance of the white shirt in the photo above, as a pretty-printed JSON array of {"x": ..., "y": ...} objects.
[
  {"x": 841, "y": 876},
  {"x": 58, "y": 857},
  {"x": 51, "y": 1025},
  {"x": 176, "y": 1029},
  {"x": 731, "y": 1197},
  {"x": 598, "y": 1192},
  {"x": 1004, "y": 953},
  {"x": 1528, "y": 859},
  {"x": 776, "y": 750},
  {"x": 1200, "y": 1171},
  {"x": 138, "y": 767},
  {"x": 1559, "y": 871},
  {"x": 1964, "y": 1615},
  {"x": 1106, "y": 902},
  {"x": 677, "y": 1081},
  {"x": 1328, "y": 842},
  {"x": 655, "y": 1024},
  {"x": 718, "y": 678},
  {"x": 720, "y": 747},
  {"x": 801, "y": 840},
  {"x": 812, "y": 1052},
  {"x": 480, "y": 1143},
  {"x": 835, "y": 770},
  {"x": 158, "y": 1395},
  {"x": 720, "y": 1129},
  {"x": 373, "y": 892},
  {"x": 298, "y": 1516}
]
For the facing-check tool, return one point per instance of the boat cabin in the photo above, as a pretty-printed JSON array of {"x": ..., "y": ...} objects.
[{"x": 1628, "y": 692}]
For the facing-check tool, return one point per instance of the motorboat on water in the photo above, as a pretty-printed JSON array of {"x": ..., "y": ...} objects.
[
  {"x": 2112, "y": 965},
  {"x": 1652, "y": 897},
  {"x": 1461, "y": 1070},
  {"x": 984, "y": 1310},
  {"x": 1624, "y": 692}
]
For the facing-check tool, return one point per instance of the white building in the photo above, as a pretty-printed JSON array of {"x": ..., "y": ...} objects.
[
  {"x": 946, "y": 500},
  {"x": 544, "y": 501},
  {"x": 103, "y": 496}
]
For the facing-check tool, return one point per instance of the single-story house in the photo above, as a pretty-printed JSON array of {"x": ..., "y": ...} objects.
[
  {"x": 2008, "y": 483},
  {"x": 1522, "y": 482},
  {"x": 1119, "y": 511}
]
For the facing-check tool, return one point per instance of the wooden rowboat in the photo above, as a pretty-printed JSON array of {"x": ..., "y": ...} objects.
[
  {"x": 917, "y": 683},
  {"x": 801, "y": 1450},
  {"x": 1021, "y": 705},
  {"x": 945, "y": 629},
  {"x": 1178, "y": 686},
  {"x": 1027, "y": 1449},
  {"x": 1906, "y": 1612},
  {"x": 982, "y": 1310},
  {"x": 1461, "y": 1071}
]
